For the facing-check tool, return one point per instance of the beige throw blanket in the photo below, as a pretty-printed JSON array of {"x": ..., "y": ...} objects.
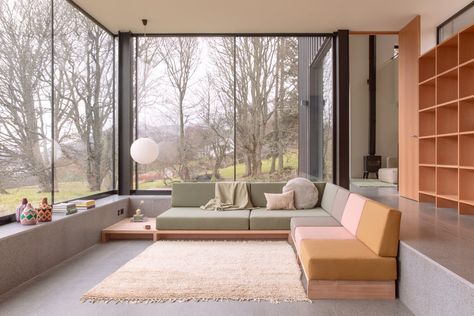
[{"x": 229, "y": 196}]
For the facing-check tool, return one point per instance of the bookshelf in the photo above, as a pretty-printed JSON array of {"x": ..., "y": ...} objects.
[{"x": 446, "y": 123}]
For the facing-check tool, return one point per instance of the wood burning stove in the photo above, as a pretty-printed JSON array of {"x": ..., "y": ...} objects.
[{"x": 372, "y": 164}]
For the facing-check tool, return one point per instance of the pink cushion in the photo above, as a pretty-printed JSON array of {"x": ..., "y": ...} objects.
[
  {"x": 352, "y": 212},
  {"x": 302, "y": 233}
]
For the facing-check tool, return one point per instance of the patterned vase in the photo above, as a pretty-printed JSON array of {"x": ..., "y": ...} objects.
[
  {"x": 20, "y": 208},
  {"x": 29, "y": 215},
  {"x": 44, "y": 211}
]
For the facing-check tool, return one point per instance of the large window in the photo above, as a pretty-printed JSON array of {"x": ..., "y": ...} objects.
[
  {"x": 220, "y": 108},
  {"x": 56, "y": 110},
  {"x": 83, "y": 105}
]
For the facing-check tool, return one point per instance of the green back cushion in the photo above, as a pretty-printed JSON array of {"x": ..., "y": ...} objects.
[
  {"x": 192, "y": 194},
  {"x": 329, "y": 195},
  {"x": 257, "y": 190}
]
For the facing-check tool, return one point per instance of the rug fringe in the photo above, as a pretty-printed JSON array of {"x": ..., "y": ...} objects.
[{"x": 93, "y": 300}]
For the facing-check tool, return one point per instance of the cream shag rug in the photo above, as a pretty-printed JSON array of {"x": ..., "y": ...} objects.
[{"x": 179, "y": 271}]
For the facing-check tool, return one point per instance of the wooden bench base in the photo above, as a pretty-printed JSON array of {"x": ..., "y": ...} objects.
[
  {"x": 348, "y": 290},
  {"x": 131, "y": 230},
  {"x": 365, "y": 290},
  {"x": 222, "y": 234}
]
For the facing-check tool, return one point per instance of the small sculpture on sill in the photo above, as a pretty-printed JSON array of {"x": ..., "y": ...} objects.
[
  {"x": 29, "y": 216},
  {"x": 138, "y": 216},
  {"x": 45, "y": 211},
  {"x": 20, "y": 208}
]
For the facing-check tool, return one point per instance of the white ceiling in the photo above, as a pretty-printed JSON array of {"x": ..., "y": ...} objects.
[{"x": 267, "y": 16}]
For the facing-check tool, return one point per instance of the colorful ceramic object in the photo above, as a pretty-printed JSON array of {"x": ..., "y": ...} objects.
[
  {"x": 28, "y": 215},
  {"x": 44, "y": 211},
  {"x": 20, "y": 208}
]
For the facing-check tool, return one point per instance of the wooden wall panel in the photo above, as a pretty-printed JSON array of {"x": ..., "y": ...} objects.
[{"x": 409, "y": 50}]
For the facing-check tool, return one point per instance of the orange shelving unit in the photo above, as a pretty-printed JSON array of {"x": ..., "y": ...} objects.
[{"x": 446, "y": 123}]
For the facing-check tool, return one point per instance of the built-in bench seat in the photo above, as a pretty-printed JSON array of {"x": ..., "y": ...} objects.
[
  {"x": 193, "y": 218},
  {"x": 356, "y": 260},
  {"x": 186, "y": 214}
]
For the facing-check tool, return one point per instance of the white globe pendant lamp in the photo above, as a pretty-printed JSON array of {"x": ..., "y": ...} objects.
[{"x": 144, "y": 150}]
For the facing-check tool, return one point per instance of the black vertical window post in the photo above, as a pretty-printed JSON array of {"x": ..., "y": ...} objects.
[
  {"x": 125, "y": 112},
  {"x": 342, "y": 108}
]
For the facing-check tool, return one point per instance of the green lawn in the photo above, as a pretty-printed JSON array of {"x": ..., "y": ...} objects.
[
  {"x": 70, "y": 190},
  {"x": 290, "y": 162}
]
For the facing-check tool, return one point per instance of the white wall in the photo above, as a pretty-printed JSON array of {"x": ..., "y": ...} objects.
[
  {"x": 387, "y": 100},
  {"x": 359, "y": 102}
]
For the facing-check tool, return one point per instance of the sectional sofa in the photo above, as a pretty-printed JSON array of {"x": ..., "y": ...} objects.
[
  {"x": 185, "y": 212},
  {"x": 347, "y": 245}
]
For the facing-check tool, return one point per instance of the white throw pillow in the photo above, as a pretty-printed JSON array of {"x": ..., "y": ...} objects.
[
  {"x": 306, "y": 193},
  {"x": 280, "y": 201}
]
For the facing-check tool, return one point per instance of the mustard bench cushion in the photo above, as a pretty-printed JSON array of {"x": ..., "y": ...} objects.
[
  {"x": 280, "y": 219},
  {"x": 320, "y": 233},
  {"x": 345, "y": 260},
  {"x": 193, "y": 218},
  {"x": 379, "y": 228}
]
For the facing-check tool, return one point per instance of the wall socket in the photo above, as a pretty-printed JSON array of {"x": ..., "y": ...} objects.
[{"x": 120, "y": 212}]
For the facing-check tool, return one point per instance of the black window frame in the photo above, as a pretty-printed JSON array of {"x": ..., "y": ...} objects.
[
  {"x": 450, "y": 19},
  {"x": 168, "y": 191},
  {"x": 10, "y": 218}
]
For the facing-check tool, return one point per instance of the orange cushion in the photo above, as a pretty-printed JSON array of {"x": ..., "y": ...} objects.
[
  {"x": 379, "y": 229},
  {"x": 345, "y": 260}
]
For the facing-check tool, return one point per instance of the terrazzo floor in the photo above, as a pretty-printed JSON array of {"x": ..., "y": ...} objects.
[{"x": 57, "y": 292}]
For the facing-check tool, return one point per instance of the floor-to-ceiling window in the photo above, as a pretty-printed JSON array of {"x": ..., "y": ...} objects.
[
  {"x": 220, "y": 108},
  {"x": 56, "y": 103},
  {"x": 83, "y": 104}
]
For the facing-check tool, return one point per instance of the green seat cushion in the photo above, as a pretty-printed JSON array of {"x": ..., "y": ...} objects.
[
  {"x": 339, "y": 203},
  {"x": 257, "y": 190},
  {"x": 192, "y": 194},
  {"x": 318, "y": 221},
  {"x": 280, "y": 219},
  {"x": 193, "y": 218},
  {"x": 329, "y": 195}
]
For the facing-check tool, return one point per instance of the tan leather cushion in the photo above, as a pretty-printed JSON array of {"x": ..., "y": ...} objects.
[
  {"x": 379, "y": 228},
  {"x": 345, "y": 260}
]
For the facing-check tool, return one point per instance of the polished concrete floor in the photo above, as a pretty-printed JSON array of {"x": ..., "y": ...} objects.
[
  {"x": 438, "y": 233},
  {"x": 57, "y": 292}
]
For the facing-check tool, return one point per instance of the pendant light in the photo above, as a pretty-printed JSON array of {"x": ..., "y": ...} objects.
[{"x": 144, "y": 150}]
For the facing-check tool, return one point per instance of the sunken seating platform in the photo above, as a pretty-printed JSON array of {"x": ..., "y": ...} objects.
[{"x": 347, "y": 245}]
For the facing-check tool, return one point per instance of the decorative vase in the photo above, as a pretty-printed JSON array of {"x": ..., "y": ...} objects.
[
  {"x": 44, "y": 211},
  {"x": 20, "y": 208},
  {"x": 28, "y": 215}
]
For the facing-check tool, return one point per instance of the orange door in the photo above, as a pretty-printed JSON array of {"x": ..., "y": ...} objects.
[{"x": 409, "y": 51}]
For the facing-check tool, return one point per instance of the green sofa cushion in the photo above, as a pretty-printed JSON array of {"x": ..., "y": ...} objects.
[
  {"x": 340, "y": 203},
  {"x": 280, "y": 220},
  {"x": 257, "y": 190},
  {"x": 193, "y": 218},
  {"x": 192, "y": 194},
  {"x": 329, "y": 195}
]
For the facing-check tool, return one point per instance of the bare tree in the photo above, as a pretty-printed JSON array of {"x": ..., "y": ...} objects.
[
  {"x": 24, "y": 101},
  {"x": 84, "y": 87},
  {"x": 217, "y": 116},
  {"x": 181, "y": 56}
]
